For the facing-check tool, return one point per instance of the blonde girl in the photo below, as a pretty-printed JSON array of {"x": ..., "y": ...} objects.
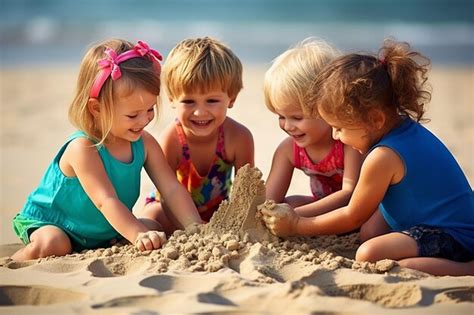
[{"x": 332, "y": 167}]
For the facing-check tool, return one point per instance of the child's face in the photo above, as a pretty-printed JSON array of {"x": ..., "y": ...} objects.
[
  {"x": 132, "y": 113},
  {"x": 357, "y": 135},
  {"x": 305, "y": 131},
  {"x": 201, "y": 113}
]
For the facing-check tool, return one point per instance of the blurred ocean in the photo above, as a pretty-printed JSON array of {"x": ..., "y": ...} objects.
[{"x": 59, "y": 31}]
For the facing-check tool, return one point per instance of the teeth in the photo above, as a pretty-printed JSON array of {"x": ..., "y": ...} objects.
[{"x": 201, "y": 122}]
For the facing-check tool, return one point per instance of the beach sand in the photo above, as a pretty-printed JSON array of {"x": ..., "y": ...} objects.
[{"x": 231, "y": 265}]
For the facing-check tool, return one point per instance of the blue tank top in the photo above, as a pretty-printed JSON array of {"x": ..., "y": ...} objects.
[
  {"x": 434, "y": 190},
  {"x": 62, "y": 201}
]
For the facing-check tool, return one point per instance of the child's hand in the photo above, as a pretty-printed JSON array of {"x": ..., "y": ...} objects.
[
  {"x": 150, "y": 240},
  {"x": 281, "y": 219}
]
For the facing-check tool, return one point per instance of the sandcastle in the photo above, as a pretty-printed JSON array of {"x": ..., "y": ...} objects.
[{"x": 239, "y": 215}]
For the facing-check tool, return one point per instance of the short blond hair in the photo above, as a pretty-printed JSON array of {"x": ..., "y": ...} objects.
[
  {"x": 200, "y": 65},
  {"x": 136, "y": 72},
  {"x": 292, "y": 73}
]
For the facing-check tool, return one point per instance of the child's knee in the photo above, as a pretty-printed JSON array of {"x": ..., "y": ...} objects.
[
  {"x": 366, "y": 252},
  {"x": 54, "y": 242}
]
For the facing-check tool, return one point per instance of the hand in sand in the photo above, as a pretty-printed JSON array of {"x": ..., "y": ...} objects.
[
  {"x": 281, "y": 219},
  {"x": 150, "y": 240}
]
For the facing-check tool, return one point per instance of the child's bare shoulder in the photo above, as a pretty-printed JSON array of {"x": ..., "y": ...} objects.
[{"x": 233, "y": 128}]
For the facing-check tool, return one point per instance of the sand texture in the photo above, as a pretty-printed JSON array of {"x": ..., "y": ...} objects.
[{"x": 230, "y": 264}]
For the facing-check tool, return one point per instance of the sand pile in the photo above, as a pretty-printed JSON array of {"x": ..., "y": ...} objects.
[{"x": 235, "y": 238}]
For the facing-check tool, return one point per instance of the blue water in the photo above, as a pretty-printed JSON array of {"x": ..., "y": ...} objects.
[{"x": 59, "y": 31}]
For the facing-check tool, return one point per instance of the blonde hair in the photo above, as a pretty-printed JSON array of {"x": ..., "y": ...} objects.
[
  {"x": 200, "y": 65},
  {"x": 136, "y": 73},
  {"x": 292, "y": 73},
  {"x": 394, "y": 81}
]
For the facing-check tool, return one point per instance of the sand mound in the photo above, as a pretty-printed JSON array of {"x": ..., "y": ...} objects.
[{"x": 235, "y": 238}]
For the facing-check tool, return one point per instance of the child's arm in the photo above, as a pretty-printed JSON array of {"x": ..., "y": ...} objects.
[
  {"x": 81, "y": 159},
  {"x": 381, "y": 168},
  {"x": 352, "y": 163},
  {"x": 239, "y": 144},
  {"x": 164, "y": 178},
  {"x": 281, "y": 171}
]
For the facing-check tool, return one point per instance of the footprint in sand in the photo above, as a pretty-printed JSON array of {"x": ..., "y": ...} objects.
[
  {"x": 456, "y": 295},
  {"x": 386, "y": 295},
  {"x": 116, "y": 267},
  {"x": 37, "y": 295}
]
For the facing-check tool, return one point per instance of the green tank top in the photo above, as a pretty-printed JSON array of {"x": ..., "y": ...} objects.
[{"x": 61, "y": 200}]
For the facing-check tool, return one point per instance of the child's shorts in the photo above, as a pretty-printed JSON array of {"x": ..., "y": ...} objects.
[
  {"x": 434, "y": 242},
  {"x": 23, "y": 227}
]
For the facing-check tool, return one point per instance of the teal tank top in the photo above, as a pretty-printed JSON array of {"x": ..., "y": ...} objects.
[{"x": 61, "y": 200}]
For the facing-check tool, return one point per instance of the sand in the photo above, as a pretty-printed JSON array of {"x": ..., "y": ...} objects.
[{"x": 231, "y": 265}]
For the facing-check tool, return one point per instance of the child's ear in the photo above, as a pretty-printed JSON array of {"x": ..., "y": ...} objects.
[
  {"x": 171, "y": 100},
  {"x": 231, "y": 103},
  {"x": 93, "y": 106},
  {"x": 377, "y": 118}
]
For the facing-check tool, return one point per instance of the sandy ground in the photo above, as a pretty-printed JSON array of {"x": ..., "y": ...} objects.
[{"x": 230, "y": 266}]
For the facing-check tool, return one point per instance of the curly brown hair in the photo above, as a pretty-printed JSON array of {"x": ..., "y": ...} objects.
[{"x": 394, "y": 81}]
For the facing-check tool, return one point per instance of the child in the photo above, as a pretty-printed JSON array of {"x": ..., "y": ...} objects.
[
  {"x": 85, "y": 198},
  {"x": 332, "y": 167},
  {"x": 203, "y": 78},
  {"x": 426, "y": 215}
]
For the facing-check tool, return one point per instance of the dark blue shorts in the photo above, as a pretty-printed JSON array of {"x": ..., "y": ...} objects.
[{"x": 434, "y": 242}]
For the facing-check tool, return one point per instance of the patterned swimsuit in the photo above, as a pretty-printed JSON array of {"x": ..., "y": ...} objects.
[
  {"x": 209, "y": 190},
  {"x": 325, "y": 175}
]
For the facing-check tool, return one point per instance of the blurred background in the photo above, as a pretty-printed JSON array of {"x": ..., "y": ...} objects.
[
  {"x": 46, "y": 31},
  {"x": 43, "y": 41}
]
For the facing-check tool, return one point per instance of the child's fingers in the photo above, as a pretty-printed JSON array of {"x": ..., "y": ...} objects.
[{"x": 150, "y": 240}]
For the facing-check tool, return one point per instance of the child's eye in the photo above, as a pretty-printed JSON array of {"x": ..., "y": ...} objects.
[
  {"x": 151, "y": 109},
  {"x": 212, "y": 100},
  {"x": 187, "y": 102},
  {"x": 132, "y": 116}
]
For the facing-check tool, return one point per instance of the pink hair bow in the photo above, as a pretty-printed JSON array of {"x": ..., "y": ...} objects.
[
  {"x": 143, "y": 49},
  {"x": 110, "y": 65}
]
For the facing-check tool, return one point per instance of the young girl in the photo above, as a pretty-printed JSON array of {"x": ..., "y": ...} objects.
[
  {"x": 332, "y": 167},
  {"x": 203, "y": 78},
  {"x": 85, "y": 197},
  {"x": 426, "y": 214}
]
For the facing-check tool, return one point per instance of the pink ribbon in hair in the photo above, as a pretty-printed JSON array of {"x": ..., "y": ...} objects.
[
  {"x": 143, "y": 49},
  {"x": 110, "y": 65}
]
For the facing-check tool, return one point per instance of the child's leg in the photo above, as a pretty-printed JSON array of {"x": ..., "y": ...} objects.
[
  {"x": 375, "y": 226},
  {"x": 393, "y": 246},
  {"x": 154, "y": 211},
  {"x": 439, "y": 266},
  {"x": 45, "y": 241}
]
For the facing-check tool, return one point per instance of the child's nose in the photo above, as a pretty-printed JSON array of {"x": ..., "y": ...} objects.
[
  {"x": 288, "y": 125},
  {"x": 199, "y": 110}
]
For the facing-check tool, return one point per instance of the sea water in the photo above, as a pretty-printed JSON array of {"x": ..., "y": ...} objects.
[{"x": 59, "y": 31}]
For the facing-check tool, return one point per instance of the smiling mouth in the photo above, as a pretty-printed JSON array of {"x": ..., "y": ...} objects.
[{"x": 201, "y": 123}]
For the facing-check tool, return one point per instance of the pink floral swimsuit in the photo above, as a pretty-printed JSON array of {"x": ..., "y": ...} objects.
[
  {"x": 325, "y": 175},
  {"x": 209, "y": 190}
]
